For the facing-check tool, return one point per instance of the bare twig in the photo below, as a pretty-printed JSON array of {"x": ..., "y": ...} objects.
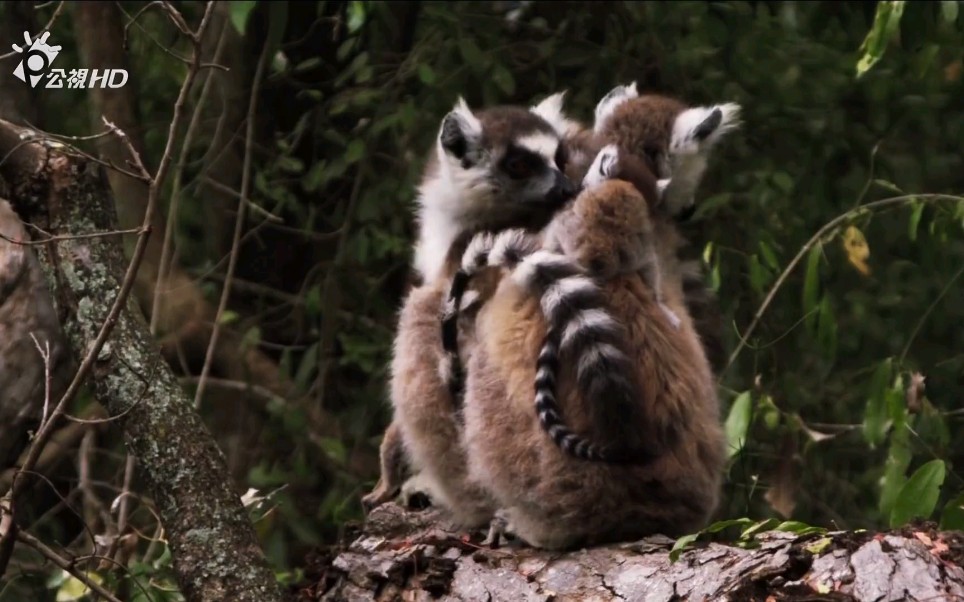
[
  {"x": 49, "y": 239},
  {"x": 238, "y": 223},
  {"x": 821, "y": 233},
  {"x": 927, "y": 312},
  {"x": 65, "y": 564},
  {"x": 167, "y": 251},
  {"x": 45, "y": 354},
  {"x": 120, "y": 302},
  {"x": 53, "y": 17}
]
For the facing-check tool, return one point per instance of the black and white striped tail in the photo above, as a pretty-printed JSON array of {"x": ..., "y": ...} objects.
[
  {"x": 579, "y": 325},
  {"x": 485, "y": 249},
  {"x": 547, "y": 407}
]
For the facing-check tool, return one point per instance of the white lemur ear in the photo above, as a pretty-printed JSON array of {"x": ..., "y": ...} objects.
[
  {"x": 610, "y": 101},
  {"x": 550, "y": 109},
  {"x": 460, "y": 133},
  {"x": 603, "y": 167},
  {"x": 704, "y": 126}
]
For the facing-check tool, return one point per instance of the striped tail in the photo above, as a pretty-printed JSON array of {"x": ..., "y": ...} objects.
[
  {"x": 578, "y": 325},
  {"x": 484, "y": 250}
]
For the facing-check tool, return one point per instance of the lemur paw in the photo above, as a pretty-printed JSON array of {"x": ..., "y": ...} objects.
[{"x": 499, "y": 529}]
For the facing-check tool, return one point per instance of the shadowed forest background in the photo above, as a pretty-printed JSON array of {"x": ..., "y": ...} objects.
[{"x": 824, "y": 423}]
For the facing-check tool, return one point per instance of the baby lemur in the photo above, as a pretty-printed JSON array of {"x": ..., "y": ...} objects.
[
  {"x": 492, "y": 169},
  {"x": 549, "y": 498}
]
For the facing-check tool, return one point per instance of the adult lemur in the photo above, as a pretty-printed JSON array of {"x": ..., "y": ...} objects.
[
  {"x": 548, "y": 497},
  {"x": 495, "y": 168}
]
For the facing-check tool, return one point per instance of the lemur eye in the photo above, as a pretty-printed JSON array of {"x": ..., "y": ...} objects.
[
  {"x": 518, "y": 167},
  {"x": 520, "y": 164},
  {"x": 562, "y": 157}
]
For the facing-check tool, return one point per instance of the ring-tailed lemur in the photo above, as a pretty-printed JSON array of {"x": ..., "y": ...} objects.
[
  {"x": 492, "y": 169},
  {"x": 581, "y": 245},
  {"x": 552, "y": 499}
]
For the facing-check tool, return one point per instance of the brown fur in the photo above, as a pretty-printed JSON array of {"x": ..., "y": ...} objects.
[
  {"x": 555, "y": 501},
  {"x": 641, "y": 126}
]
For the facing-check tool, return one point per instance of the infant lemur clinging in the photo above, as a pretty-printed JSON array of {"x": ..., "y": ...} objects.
[{"x": 492, "y": 169}]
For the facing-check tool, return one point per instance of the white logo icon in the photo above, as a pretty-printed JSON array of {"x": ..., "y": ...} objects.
[
  {"x": 37, "y": 58},
  {"x": 35, "y": 66}
]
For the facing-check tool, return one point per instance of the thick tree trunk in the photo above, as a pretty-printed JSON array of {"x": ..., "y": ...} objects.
[
  {"x": 216, "y": 554},
  {"x": 404, "y": 556}
]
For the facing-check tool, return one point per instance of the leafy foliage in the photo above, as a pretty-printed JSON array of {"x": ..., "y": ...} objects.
[{"x": 845, "y": 104}]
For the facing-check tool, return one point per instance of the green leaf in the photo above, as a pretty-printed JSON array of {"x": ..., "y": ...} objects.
[
  {"x": 949, "y": 10},
  {"x": 819, "y": 546},
  {"x": 758, "y": 276},
  {"x": 895, "y": 467},
  {"x": 827, "y": 329},
  {"x": 918, "y": 496},
  {"x": 726, "y": 524},
  {"x": 737, "y": 424},
  {"x": 783, "y": 181},
  {"x": 769, "y": 257},
  {"x": 471, "y": 53},
  {"x": 680, "y": 544},
  {"x": 240, "y": 11},
  {"x": 885, "y": 27},
  {"x": 355, "y": 151},
  {"x": 425, "y": 74},
  {"x": 356, "y": 16},
  {"x": 811, "y": 286},
  {"x": 888, "y": 185},
  {"x": 763, "y": 525},
  {"x": 75, "y": 589},
  {"x": 875, "y": 413},
  {"x": 799, "y": 528},
  {"x": 952, "y": 518},
  {"x": 503, "y": 78},
  {"x": 229, "y": 317},
  {"x": 915, "y": 219}
]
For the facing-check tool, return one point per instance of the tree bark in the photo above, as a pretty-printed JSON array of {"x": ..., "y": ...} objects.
[
  {"x": 25, "y": 305},
  {"x": 216, "y": 554},
  {"x": 403, "y": 555}
]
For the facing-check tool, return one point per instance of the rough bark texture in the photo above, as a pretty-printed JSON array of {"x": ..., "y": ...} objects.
[
  {"x": 25, "y": 310},
  {"x": 216, "y": 554},
  {"x": 25, "y": 305},
  {"x": 403, "y": 555}
]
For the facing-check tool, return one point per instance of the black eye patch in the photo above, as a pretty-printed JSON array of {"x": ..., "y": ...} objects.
[
  {"x": 562, "y": 157},
  {"x": 521, "y": 163}
]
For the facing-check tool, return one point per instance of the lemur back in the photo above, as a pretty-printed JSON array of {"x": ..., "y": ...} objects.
[{"x": 554, "y": 500}]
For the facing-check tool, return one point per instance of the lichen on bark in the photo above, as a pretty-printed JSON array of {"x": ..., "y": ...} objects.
[{"x": 215, "y": 550}]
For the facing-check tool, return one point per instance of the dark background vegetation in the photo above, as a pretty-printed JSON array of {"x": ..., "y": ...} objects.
[{"x": 347, "y": 113}]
